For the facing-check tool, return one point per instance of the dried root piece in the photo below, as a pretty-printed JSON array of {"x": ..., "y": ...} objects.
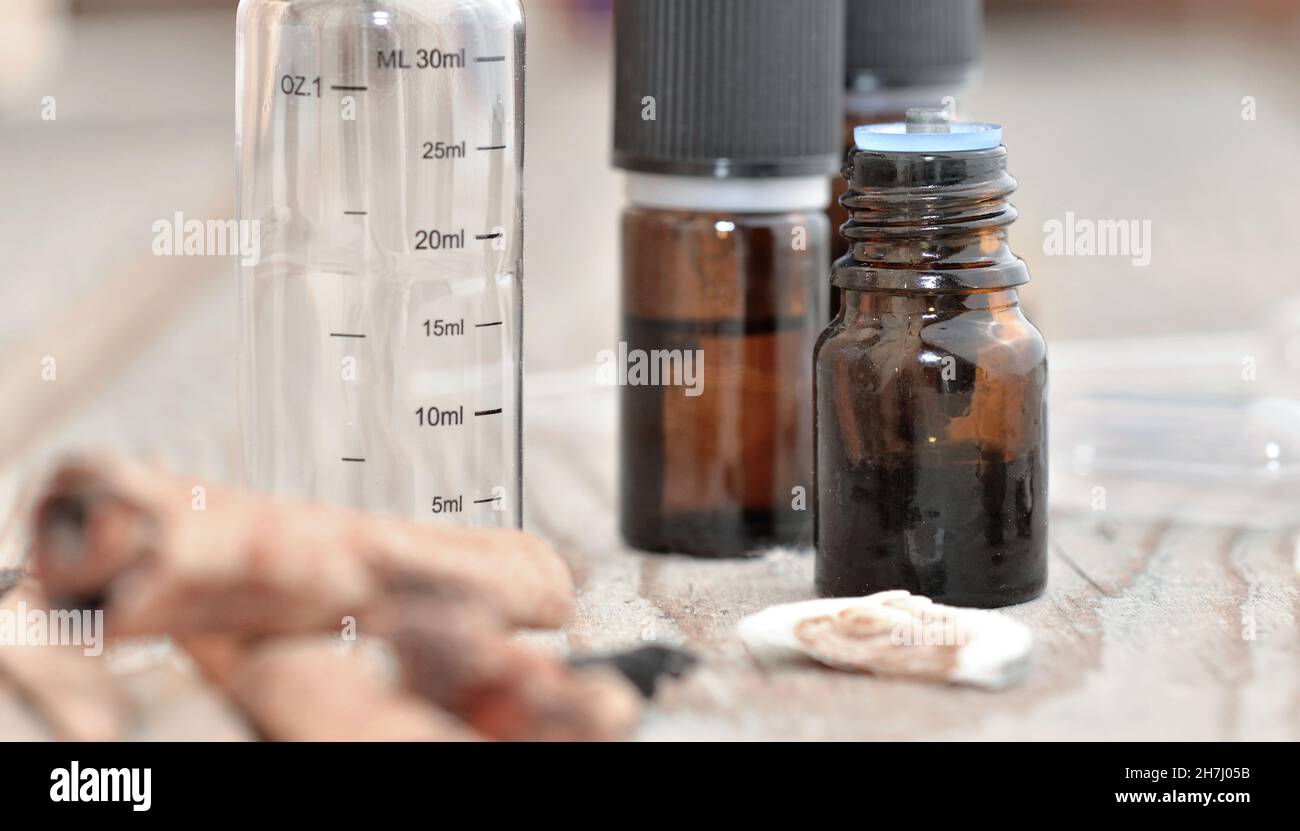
[
  {"x": 71, "y": 690},
  {"x": 460, "y": 657},
  {"x": 141, "y": 544},
  {"x": 250, "y": 585},
  {"x": 316, "y": 689},
  {"x": 894, "y": 633}
]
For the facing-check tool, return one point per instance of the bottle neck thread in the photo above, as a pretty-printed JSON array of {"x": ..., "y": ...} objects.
[{"x": 928, "y": 222}]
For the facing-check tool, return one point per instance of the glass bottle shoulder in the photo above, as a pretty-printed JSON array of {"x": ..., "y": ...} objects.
[{"x": 903, "y": 333}]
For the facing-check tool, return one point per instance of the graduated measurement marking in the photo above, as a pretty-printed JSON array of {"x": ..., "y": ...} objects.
[
  {"x": 446, "y": 149},
  {"x": 435, "y": 240},
  {"x": 300, "y": 86},
  {"x": 304, "y": 86},
  {"x": 352, "y": 459},
  {"x": 448, "y": 504},
  {"x": 444, "y": 328},
  {"x": 345, "y": 335},
  {"x": 356, "y": 213},
  {"x": 422, "y": 59},
  {"x": 438, "y": 417},
  {"x": 441, "y": 150}
]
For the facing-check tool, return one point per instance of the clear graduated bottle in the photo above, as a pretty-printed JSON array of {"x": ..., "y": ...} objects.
[{"x": 380, "y": 173}]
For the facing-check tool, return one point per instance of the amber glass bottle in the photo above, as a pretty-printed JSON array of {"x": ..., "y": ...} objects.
[
  {"x": 931, "y": 444},
  {"x": 716, "y": 470},
  {"x": 726, "y": 121},
  {"x": 901, "y": 54}
]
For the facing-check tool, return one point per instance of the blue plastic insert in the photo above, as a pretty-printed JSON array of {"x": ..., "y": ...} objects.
[{"x": 894, "y": 138}]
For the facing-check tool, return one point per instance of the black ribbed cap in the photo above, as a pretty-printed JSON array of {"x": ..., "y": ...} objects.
[
  {"x": 742, "y": 88},
  {"x": 901, "y": 43}
]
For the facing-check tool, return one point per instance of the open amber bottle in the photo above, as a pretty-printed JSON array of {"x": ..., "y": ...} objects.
[{"x": 930, "y": 383}]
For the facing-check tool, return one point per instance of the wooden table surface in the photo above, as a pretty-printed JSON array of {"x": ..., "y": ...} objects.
[
  {"x": 1173, "y": 613},
  {"x": 1150, "y": 628}
]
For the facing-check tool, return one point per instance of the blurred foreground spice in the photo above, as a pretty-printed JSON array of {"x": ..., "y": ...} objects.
[{"x": 317, "y": 623}]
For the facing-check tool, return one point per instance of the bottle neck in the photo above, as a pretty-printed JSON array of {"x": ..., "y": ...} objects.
[
  {"x": 876, "y": 306},
  {"x": 928, "y": 223}
]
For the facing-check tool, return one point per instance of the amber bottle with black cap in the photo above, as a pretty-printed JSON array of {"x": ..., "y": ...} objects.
[
  {"x": 727, "y": 123},
  {"x": 931, "y": 385},
  {"x": 901, "y": 54}
]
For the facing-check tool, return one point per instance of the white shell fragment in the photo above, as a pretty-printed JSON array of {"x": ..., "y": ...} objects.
[{"x": 894, "y": 633}]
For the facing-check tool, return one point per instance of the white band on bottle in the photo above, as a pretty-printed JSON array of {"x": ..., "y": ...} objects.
[{"x": 749, "y": 196}]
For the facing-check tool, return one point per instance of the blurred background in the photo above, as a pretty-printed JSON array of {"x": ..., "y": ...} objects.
[{"x": 1184, "y": 113}]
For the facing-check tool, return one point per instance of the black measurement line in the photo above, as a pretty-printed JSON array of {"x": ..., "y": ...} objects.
[
  {"x": 347, "y": 88},
  {"x": 493, "y": 147},
  {"x": 350, "y": 459},
  {"x": 486, "y": 325},
  {"x": 488, "y": 236},
  {"x": 488, "y": 412},
  {"x": 344, "y": 335},
  {"x": 491, "y": 59},
  {"x": 484, "y": 501},
  {"x": 356, "y": 213}
]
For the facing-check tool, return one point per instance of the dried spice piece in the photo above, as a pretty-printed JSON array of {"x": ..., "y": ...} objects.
[
  {"x": 459, "y": 656},
  {"x": 894, "y": 633},
  {"x": 319, "y": 689},
  {"x": 109, "y": 533},
  {"x": 249, "y": 585},
  {"x": 451, "y": 655}
]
